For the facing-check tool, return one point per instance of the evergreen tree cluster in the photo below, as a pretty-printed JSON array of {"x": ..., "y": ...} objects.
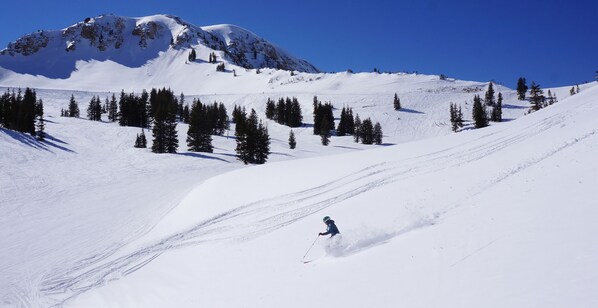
[
  {"x": 479, "y": 115},
  {"x": 192, "y": 55},
  {"x": 346, "y": 125},
  {"x": 72, "y": 111},
  {"x": 253, "y": 141},
  {"x": 323, "y": 118},
  {"x": 220, "y": 67},
  {"x": 141, "y": 142},
  {"x": 212, "y": 57},
  {"x": 164, "y": 110},
  {"x": 135, "y": 110},
  {"x": 205, "y": 120},
  {"x": 199, "y": 137},
  {"x": 496, "y": 112},
  {"x": 367, "y": 132},
  {"x": 22, "y": 112},
  {"x": 285, "y": 111},
  {"x": 537, "y": 98},
  {"x": 183, "y": 111},
  {"x": 94, "y": 109},
  {"x": 456, "y": 117},
  {"x": 239, "y": 114},
  {"x": 574, "y": 90}
]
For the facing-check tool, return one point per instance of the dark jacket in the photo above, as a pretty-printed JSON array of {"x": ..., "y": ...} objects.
[{"x": 331, "y": 229}]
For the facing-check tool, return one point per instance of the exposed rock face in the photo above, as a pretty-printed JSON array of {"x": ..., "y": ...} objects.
[
  {"x": 251, "y": 51},
  {"x": 100, "y": 32},
  {"x": 28, "y": 44},
  {"x": 147, "y": 31}
]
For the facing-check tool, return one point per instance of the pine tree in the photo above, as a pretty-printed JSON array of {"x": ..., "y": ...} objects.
[
  {"x": 367, "y": 131},
  {"x": 489, "y": 97},
  {"x": 521, "y": 88},
  {"x": 94, "y": 109},
  {"x": 577, "y": 88},
  {"x": 141, "y": 107},
  {"x": 113, "y": 109},
  {"x": 550, "y": 99},
  {"x": 263, "y": 144},
  {"x": 26, "y": 114},
  {"x": 325, "y": 131},
  {"x": 341, "y": 130},
  {"x": 192, "y": 55},
  {"x": 292, "y": 141},
  {"x": 397, "y": 102},
  {"x": 295, "y": 114},
  {"x": 480, "y": 118},
  {"x": 378, "y": 134},
  {"x": 198, "y": 135},
  {"x": 496, "y": 114},
  {"x": 181, "y": 107},
  {"x": 357, "y": 131},
  {"x": 39, "y": 124},
  {"x": 453, "y": 117},
  {"x": 141, "y": 142},
  {"x": 164, "y": 129},
  {"x": 253, "y": 141},
  {"x": 270, "y": 109},
  {"x": 536, "y": 97},
  {"x": 73, "y": 107},
  {"x": 323, "y": 113}
]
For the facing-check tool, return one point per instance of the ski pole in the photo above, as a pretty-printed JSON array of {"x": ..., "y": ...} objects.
[{"x": 312, "y": 245}]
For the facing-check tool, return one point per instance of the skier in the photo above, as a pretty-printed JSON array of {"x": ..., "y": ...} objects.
[{"x": 331, "y": 227}]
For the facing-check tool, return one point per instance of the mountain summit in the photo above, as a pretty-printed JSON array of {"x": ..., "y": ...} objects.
[{"x": 133, "y": 42}]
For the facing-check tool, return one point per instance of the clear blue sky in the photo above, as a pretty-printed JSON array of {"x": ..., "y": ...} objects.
[{"x": 554, "y": 43}]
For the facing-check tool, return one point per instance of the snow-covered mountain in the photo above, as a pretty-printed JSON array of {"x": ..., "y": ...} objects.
[{"x": 132, "y": 42}]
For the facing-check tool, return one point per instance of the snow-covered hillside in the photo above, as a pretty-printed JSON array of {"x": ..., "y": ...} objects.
[
  {"x": 496, "y": 217},
  {"x": 500, "y": 217}
]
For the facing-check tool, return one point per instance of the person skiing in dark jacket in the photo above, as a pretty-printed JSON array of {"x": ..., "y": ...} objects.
[{"x": 330, "y": 227}]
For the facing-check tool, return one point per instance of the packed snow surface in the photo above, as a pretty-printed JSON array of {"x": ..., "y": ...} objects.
[{"x": 496, "y": 217}]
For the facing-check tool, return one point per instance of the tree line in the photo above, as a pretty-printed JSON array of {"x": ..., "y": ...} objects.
[
  {"x": 22, "y": 112},
  {"x": 363, "y": 131},
  {"x": 253, "y": 140},
  {"x": 285, "y": 111}
]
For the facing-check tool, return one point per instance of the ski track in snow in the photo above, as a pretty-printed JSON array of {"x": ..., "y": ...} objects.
[{"x": 263, "y": 216}]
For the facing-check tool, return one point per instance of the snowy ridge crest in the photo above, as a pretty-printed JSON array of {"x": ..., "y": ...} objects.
[{"x": 135, "y": 41}]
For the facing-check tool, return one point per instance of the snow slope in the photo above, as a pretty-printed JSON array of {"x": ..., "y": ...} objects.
[
  {"x": 499, "y": 217},
  {"x": 494, "y": 217}
]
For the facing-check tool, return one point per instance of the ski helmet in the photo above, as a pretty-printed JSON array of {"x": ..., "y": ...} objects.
[{"x": 327, "y": 218}]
